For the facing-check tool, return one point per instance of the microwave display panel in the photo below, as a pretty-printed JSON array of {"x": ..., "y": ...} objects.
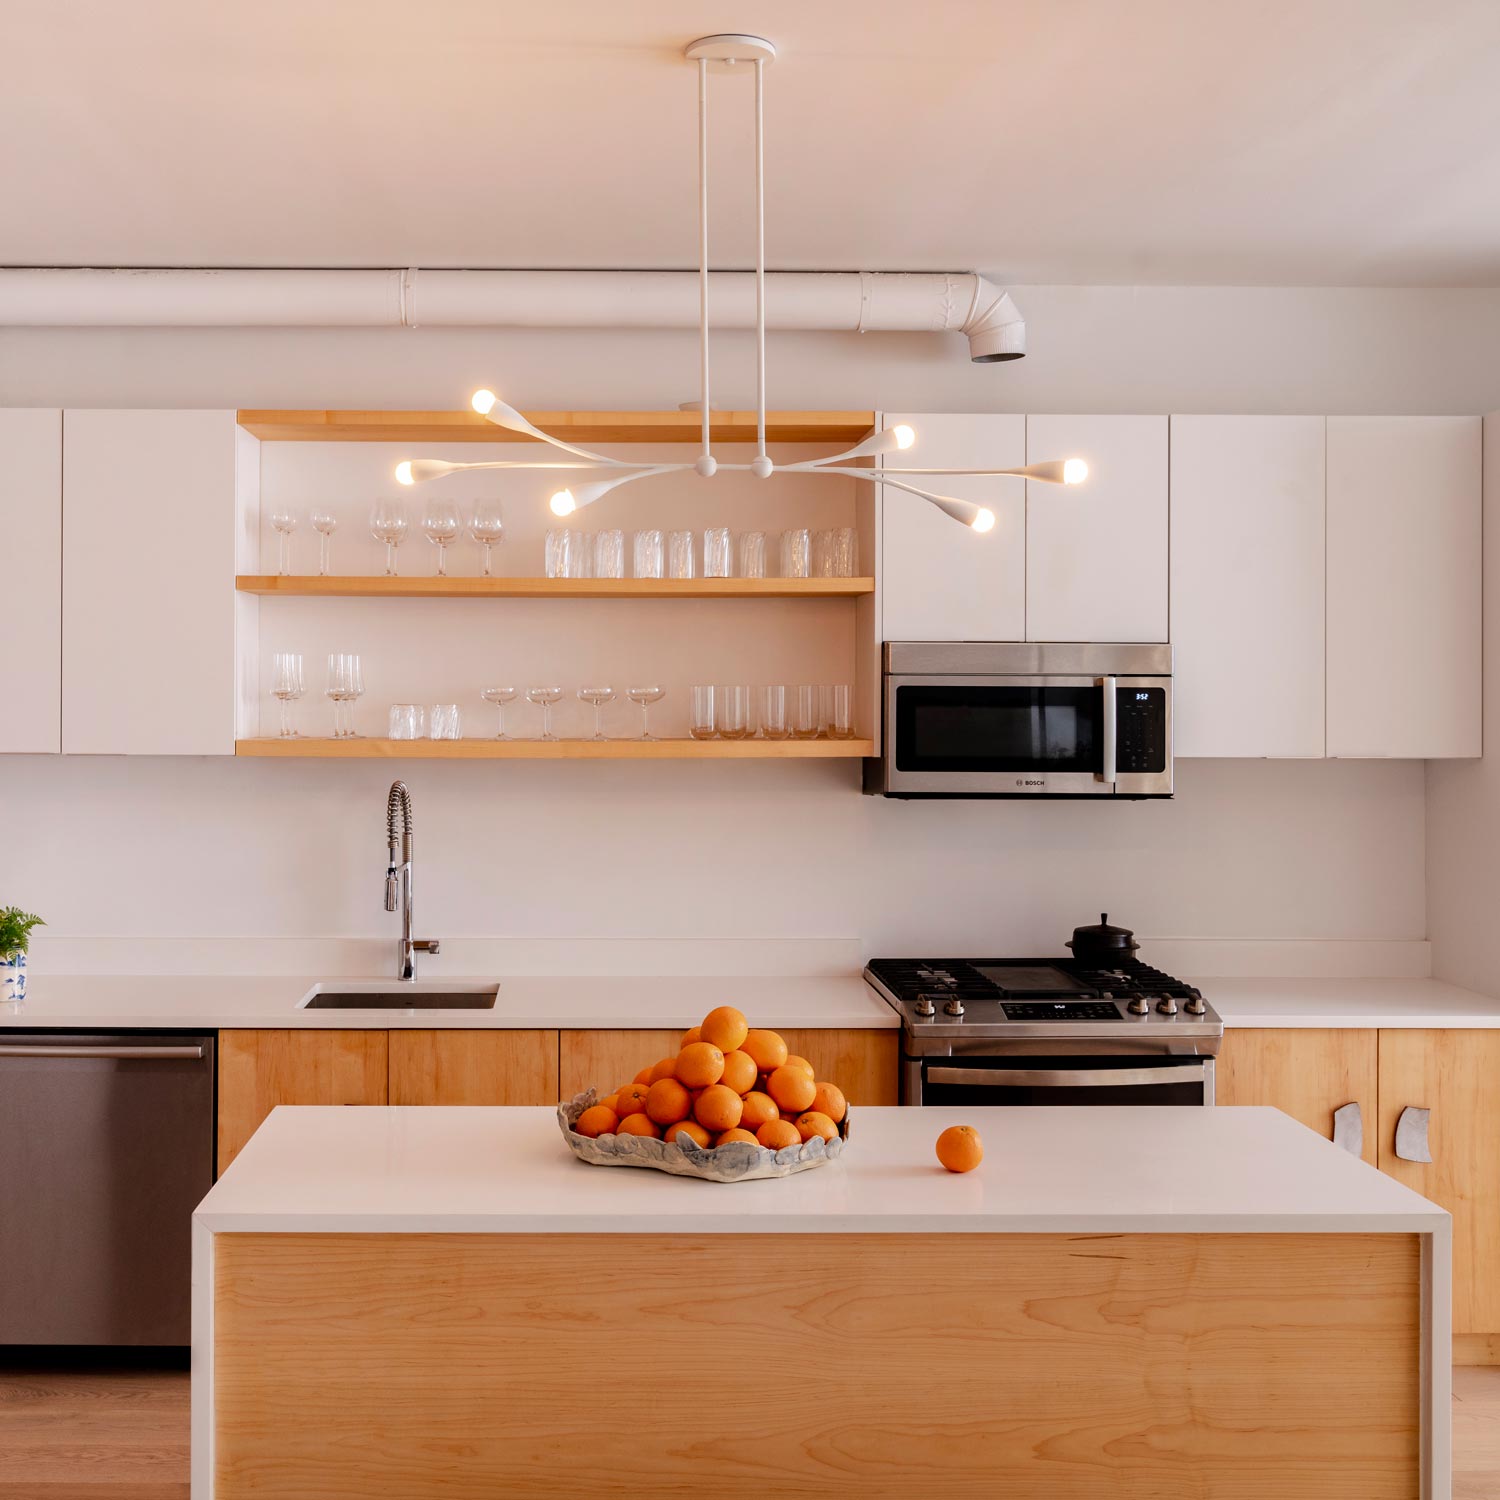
[{"x": 998, "y": 728}]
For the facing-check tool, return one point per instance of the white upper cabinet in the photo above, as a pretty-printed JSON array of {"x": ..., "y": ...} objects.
[
  {"x": 1247, "y": 586},
  {"x": 1096, "y": 553},
  {"x": 31, "y": 579},
  {"x": 1404, "y": 586},
  {"x": 940, "y": 580},
  {"x": 149, "y": 530}
]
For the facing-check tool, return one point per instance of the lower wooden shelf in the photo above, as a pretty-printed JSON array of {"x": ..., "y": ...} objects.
[{"x": 300, "y": 747}]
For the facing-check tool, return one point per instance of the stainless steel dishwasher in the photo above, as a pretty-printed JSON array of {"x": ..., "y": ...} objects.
[{"x": 106, "y": 1148}]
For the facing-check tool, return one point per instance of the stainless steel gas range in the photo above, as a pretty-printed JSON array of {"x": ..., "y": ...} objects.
[{"x": 1049, "y": 1031}]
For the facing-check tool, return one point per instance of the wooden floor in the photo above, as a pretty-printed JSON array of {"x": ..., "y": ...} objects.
[{"x": 121, "y": 1433}]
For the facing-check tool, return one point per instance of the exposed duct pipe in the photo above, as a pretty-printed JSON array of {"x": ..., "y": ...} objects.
[{"x": 810, "y": 301}]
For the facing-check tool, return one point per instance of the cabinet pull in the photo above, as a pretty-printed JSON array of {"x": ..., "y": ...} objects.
[
  {"x": 1349, "y": 1129},
  {"x": 1411, "y": 1134}
]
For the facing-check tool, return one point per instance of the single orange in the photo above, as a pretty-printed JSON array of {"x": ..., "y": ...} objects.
[
  {"x": 596, "y": 1120},
  {"x": 644, "y": 1076},
  {"x": 739, "y": 1072},
  {"x": 793, "y": 1061},
  {"x": 729, "y": 1137},
  {"x": 792, "y": 1089},
  {"x": 666, "y": 1068},
  {"x": 638, "y": 1124},
  {"x": 813, "y": 1122},
  {"x": 775, "y": 1134},
  {"x": 632, "y": 1100},
  {"x": 766, "y": 1047},
  {"x": 691, "y": 1129},
  {"x": 718, "y": 1108},
  {"x": 700, "y": 1064},
  {"x": 960, "y": 1149},
  {"x": 667, "y": 1101},
  {"x": 692, "y": 1034},
  {"x": 725, "y": 1027},
  {"x": 828, "y": 1099},
  {"x": 610, "y": 1100},
  {"x": 759, "y": 1108}
]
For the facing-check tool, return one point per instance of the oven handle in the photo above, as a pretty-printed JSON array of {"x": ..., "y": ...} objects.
[
  {"x": 1086, "y": 1078},
  {"x": 1111, "y": 731}
]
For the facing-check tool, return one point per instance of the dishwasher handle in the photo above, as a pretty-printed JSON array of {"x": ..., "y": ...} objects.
[{"x": 128, "y": 1053}]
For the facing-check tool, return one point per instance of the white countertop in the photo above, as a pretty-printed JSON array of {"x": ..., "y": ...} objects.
[
  {"x": 1348, "y": 1002},
  {"x": 1061, "y": 1170}
]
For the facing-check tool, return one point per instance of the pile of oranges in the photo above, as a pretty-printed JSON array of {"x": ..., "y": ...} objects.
[{"x": 729, "y": 1082}]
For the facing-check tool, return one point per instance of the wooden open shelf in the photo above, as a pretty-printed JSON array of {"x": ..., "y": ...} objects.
[
  {"x": 844, "y": 428},
  {"x": 381, "y": 587},
  {"x": 520, "y": 749}
]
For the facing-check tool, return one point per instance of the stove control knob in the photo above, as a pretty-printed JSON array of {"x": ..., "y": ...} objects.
[
  {"x": 1139, "y": 1005},
  {"x": 1167, "y": 1006},
  {"x": 1195, "y": 1005},
  {"x": 953, "y": 1006},
  {"x": 925, "y": 1007}
]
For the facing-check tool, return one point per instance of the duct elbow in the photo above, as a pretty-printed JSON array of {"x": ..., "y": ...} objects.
[{"x": 995, "y": 328}]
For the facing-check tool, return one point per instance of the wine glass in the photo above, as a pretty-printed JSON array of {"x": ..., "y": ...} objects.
[
  {"x": 499, "y": 696},
  {"x": 388, "y": 525},
  {"x": 441, "y": 524},
  {"x": 325, "y": 523},
  {"x": 645, "y": 697},
  {"x": 287, "y": 686},
  {"x": 283, "y": 523},
  {"x": 544, "y": 698},
  {"x": 487, "y": 527},
  {"x": 598, "y": 696},
  {"x": 346, "y": 682}
]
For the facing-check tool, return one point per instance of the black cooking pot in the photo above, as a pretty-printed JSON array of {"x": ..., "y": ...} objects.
[{"x": 1102, "y": 943}]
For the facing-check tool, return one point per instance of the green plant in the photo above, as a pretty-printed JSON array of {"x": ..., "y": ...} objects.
[{"x": 15, "y": 930}]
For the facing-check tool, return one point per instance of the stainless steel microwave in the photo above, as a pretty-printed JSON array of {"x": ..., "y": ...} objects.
[{"x": 1000, "y": 719}]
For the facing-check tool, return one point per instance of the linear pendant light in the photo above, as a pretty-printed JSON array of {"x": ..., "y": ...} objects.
[{"x": 735, "y": 53}]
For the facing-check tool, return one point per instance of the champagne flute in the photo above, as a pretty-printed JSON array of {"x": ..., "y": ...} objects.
[
  {"x": 388, "y": 525},
  {"x": 287, "y": 686},
  {"x": 499, "y": 696},
  {"x": 441, "y": 524},
  {"x": 598, "y": 696},
  {"x": 283, "y": 523},
  {"x": 487, "y": 527},
  {"x": 645, "y": 697},
  {"x": 325, "y": 523},
  {"x": 345, "y": 684},
  {"x": 544, "y": 698}
]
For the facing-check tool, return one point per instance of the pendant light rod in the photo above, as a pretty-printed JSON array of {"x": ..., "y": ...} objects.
[
  {"x": 760, "y": 261},
  {"x": 706, "y": 457}
]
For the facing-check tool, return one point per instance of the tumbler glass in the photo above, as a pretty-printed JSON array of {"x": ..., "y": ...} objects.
[
  {"x": 701, "y": 713},
  {"x": 838, "y": 712},
  {"x": 843, "y": 552},
  {"x": 807, "y": 717},
  {"x": 718, "y": 552},
  {"x": 446, "y": 723},
  {"x": 648, "y": 554},
  {"x": 609, "y": 554},
  {"x": 682, "y": 559},
  {"x": 408, "y": 721},
  {"x": 773, "y": 721},
  {"x": 796, "y": 559},
  {"x": 732, "y": 712},
  {"x": 752, "y": 554}
]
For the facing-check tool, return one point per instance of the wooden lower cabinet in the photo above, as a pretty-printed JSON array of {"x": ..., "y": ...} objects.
[
  {"x": 1305, "y": 1073},
  {"x": 473, "y": 1067},
  {"x": 260, "y": 1069}
]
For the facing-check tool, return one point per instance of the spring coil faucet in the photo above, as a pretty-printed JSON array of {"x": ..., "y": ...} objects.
[{"x": 398, "y": 879}]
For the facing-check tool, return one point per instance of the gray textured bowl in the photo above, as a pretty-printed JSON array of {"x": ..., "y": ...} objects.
[{"x": 737, "y": 1162}]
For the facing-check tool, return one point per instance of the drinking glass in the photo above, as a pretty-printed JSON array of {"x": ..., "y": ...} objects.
[
  {"x": 717, "y": 552},
  {"x": 682, "y": 560},
  {"x": 283, "y": 523},
  {"x": 408, "y": 721},
  {"x": 598, "y": 696},
  {"x": 796, "y": 553},
  {"x": 487, "y": 527},
  {"x": 752, "y": 554},
  {"x": 567, "y": 553},
  {"x": 346, "y": 682},
  {"x": 773, "y": 724},
  {"x": 499, "y": 696},
  {"x": 388, "y": 525},
  {"x": 553, "y": 565},
  {"x": 544, "y": 698},
  {"x": 701, "y": 713},
  {"x": 732, "y": 712},
  {"x": 441, "y": 524},
  {"x": 287, "y": 686},
  {"x": 843, "y": 552},
  {"x": 838, "y": 712},
  {"x": 325, "y": 523},
  {"x": 822, "y": 554},
  {"x": 609, "y": 554},
  {"x": 807, "y": 717},
  {"x": 645, "y": 697},
  {"x": 446, "y": 722},
  {"x": 648, "y": 556}
]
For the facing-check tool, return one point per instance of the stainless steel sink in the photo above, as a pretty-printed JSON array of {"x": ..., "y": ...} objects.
[{"x": 428, "y": 994}]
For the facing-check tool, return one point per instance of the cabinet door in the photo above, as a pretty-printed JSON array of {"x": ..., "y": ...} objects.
[
  {"x": 604, "y": 1060},
  {"x": 473, "y": 1067},
  {"x": 940, "y": 580},
  {"x": 1248, "y": 586},
  {"x": 260, "y": 1069},
  {"x": 1096, "y": 552},
  {"x": 148, "y": 568},
  {"x": 1306, "y": 1074},
  {"x": 31, "y": 525},
  {"x": 1404, "y": 586},
  {"x": 1452, "y": 1074}
]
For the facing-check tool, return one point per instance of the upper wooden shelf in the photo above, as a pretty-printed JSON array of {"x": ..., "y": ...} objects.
[
  {"x": 381, "y": 587},
  {"x": 834, "y": 427},
  {"x": 523, "y": 749}
]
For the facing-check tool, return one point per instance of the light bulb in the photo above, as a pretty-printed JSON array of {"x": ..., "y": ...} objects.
[
  {"x": 905, "y": 436},
  {"x": 963, "y": 511},
  {"x": 563, "y": 503},
  {"x": 1075, "y": 471},
  {"x": 403, "y": 472},
  {"x": 482, "y": 401},
  {"x": 984, "y": 521}
]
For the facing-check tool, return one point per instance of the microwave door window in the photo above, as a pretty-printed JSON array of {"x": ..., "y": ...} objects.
[{"x": 1017, "y": 729}]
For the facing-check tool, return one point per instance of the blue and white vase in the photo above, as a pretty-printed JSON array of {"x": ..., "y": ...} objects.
[{"x": 12, "y": 978}]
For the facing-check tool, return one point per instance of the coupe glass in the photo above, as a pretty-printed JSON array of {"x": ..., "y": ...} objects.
[
  {"x": 598, "y": 696},
  {"x": 499, "y": 696},
  {"x": 544, "y": 698},
  {"x": 388, "y": 525},
  {"x": 283, "y": 523},
  {"x": 645, "y": 697},
  {"x": 441, "y": 524},
  {"x": 325, "y": 523},
  {"x": 732, "y": 712},
  {"x": 287, "y": 686},
  {"x": 487, "y": 527}
]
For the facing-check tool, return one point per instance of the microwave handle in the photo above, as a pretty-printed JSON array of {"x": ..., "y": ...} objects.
[{"x": 1111, "y": 731}]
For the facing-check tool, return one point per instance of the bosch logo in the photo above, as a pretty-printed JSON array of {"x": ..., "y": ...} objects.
[{"x": 1030, "y": 781}]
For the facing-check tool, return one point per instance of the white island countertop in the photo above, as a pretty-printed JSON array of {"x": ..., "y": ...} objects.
[{"x": 1060, "y": 1170}]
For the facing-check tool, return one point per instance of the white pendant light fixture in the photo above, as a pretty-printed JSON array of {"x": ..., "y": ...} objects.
[{"x": 734, "y": 53}]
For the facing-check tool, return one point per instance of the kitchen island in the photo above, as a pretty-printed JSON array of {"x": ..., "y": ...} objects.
[{"x": 1118, "y": 1302}]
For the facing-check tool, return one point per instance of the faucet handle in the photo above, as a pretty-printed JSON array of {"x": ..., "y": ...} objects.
[
  {"x": 427, "y": 945},
  {"x": 392, "y": 889}
]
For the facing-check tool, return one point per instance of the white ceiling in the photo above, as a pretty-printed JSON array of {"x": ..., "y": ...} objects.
[{"x": 1208, "y": 141}]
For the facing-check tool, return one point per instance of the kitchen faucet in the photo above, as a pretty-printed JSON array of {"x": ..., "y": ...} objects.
[{"x": 398, "y": 879}]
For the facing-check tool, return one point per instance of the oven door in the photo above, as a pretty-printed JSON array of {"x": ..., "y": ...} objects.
[{"x": 1027, "y": 1080}]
